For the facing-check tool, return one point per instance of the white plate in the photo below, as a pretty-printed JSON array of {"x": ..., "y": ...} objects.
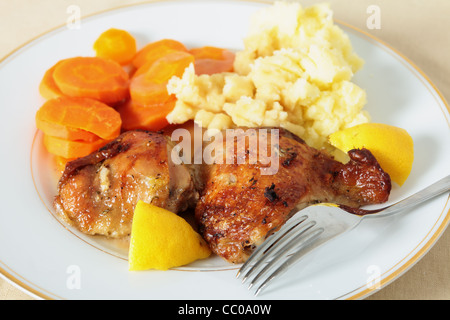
[{"x": 40, "y": 255}]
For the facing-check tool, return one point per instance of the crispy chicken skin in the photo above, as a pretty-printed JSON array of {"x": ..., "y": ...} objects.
[
  {"x": 98, "y": 193},
  {"x": 239, "y": 207}
]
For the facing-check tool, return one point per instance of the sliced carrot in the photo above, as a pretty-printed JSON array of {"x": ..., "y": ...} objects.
[
  {"x": 138, "y": 117},
  {"x": 71, "y": 149},
  {"x": 165, "y": 67},
  {"x": 155, "y": 50},
  {"x": 64, "y": 132},
  {"x": 210, "y": 66},
  {"x": 150, "y": 88},
  {"x": 208, "y": 52},
  {"x": 81, "y": 113},
  {"x": 210, "y": 60},
  {"x": 48, "y": 88},
  {"x": 116, "y": 44},
  {"x": 143, "y": 69},
  {"x": 92, "y": 77},
  {"x": 144, "y": 91},
  {"x": 172, "y": 64}
]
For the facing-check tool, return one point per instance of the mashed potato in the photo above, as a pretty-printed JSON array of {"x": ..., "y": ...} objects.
[{"x": 295, "y": 72}]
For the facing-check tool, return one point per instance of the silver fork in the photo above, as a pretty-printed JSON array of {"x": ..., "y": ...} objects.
[{"x": 312, "y": 227}]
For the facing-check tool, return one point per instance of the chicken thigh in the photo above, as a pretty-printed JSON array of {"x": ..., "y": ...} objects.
[
  {"x": 98, "y": 193},
  {"x": 240, "y": 205}
]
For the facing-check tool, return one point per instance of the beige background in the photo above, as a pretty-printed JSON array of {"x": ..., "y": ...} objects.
[{"x": 417, "y": 28}]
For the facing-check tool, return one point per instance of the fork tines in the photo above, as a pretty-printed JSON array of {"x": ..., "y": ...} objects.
[{"x": 279, "y": 251}]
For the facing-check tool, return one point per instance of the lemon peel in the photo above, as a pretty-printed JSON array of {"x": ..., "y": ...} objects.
[
  {"x": 392, "y": 146},
  {"x": 162, "y": 240}
]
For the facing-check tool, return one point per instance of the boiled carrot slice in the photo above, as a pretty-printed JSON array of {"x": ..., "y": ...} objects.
[
  {"x": 155, "y": 50},
  {"x": 64, "y": 132},
  {"x": 150, "y": 88},
  {"x": 92, "y": 77},
  {"x": 172, "y": 64},
  {"x": 145, "y": 92},
  {"x": 71, "y": 149},
  {"x": 81, "y": 113},
  {"x": 116, "y": 44},
  {"x": 48, "y": 88},
  {"x": 210, "y": 60},
  {"x": 208, "y": 52},
  {"x": 139, "y": 117}
]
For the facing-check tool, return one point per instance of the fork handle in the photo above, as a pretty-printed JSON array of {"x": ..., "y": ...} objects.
[{"x": 428, "y": 193}]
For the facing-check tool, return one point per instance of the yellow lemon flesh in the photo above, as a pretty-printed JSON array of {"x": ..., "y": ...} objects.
[
  {"x": 393, "y": 147},
  {"x": 162, "y": 240}
]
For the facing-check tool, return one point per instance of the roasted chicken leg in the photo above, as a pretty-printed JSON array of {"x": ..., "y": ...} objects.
[
  {"x": 98, "y": 193},
  {"x": 239, "y": 206}
]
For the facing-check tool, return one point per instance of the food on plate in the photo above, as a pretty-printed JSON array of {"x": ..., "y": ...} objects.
[
  {"x": 211, "y": 60},
  {"x": 58, "y": 130},
  {"x": 79, "y": 113},
  {"x": 142, "y": 100},
  {"x": 308, "y": 30},
  {"x": 293, "y": 77},
  {"x": 75, "y": 117},
  {"x": 150, "y": 87},
  {"x": 116, "y": 44},
  {"x": 239, "y": 207},
  {"x": 76, "y": 127},
  {"x": 295, "y": 72},
  {"x": 392, "y": 146},
  {"x": 48, "y": 88},
  {"x": 155, "y": 50},
  {"x": 166, "y": 66},
  {"x": 153, "y": 117},
  {"x": 92, "y": 77},
  {"x": 72, "y": 148},
  {"x": 161, "y": 240},
  {"x": 98, "y": 193}
]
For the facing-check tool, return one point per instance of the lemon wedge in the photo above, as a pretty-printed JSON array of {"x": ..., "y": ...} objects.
[
  {"x": 162, "y": 240},
  {"x": 393, "y": 147}
]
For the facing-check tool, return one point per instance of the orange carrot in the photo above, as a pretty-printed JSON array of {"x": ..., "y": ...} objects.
[
  {"x": 155, "y": 50},
  {"x": 80, "y": 113},
  {"x": 149, "y": 88},
  {"x": 208, "y": 52},
  {"x": 209, "y": 60},
  {"x": 71, "y": 149},
  {"x": 145, "y": 92},
  {"x": 151, "y": 118},
  {"x": 143, "y": 69},
  {"x": 92, "y": 77},
  {"x": 48, "y": 88},
  {"x": 61, "y": 131},
  {"x": 172, "y": 64},
  {"x": 117, "y": 45}
]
